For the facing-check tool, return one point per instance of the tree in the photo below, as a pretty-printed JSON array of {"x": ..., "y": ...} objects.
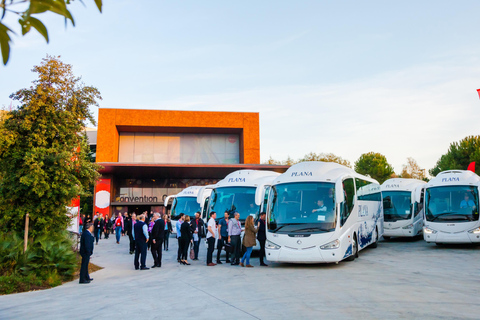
[
  {"x": 459, "y": 156},
  {"x": 44, "y": 161},
  {"x": 325, "y": 157},
  {"x": 374, "y": 165},
  {"x": 412, "y": 170},
  {"x": 27, "y": 21}
]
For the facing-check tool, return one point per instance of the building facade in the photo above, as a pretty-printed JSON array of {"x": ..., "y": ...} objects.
[{"x": 147, "y": 155}]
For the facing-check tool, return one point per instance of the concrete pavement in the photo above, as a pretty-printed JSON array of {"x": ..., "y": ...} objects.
[{"x": 399, "y": 279}]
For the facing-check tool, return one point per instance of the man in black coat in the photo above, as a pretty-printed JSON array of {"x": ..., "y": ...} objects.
[
  {"x": 198, "y": 228},
  {"x": 262, "y": 237},
  {"x": 140, "y": 235},
  {"x": 129, "y": 225},
  {"x": 86, "y": 250},
  {"x": 158, "y": 233},
  {"x": 98, "y": 226}
]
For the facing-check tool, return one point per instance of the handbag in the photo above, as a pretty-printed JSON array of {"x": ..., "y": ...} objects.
[
  {"x": 192, "y": 254},
  {"x": 228, "y": 247}
]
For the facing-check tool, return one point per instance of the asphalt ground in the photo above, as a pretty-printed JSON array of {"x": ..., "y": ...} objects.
[{"x": 401, "y": 279}]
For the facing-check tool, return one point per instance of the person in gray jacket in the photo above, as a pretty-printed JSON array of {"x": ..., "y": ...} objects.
[{"x": 234, "y": 232}]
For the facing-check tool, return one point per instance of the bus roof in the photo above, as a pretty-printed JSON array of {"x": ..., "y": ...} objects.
[
  {"x": 401, "y": 184},
  {"x": 187, "y": 192},
  {"x": 318, "y": 171},
  {"x": 246, "y": 178},
  {"x": 454, "y": 177}
]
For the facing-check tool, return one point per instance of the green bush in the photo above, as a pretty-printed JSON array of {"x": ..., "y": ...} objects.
[{"x": 49, "y": 259}]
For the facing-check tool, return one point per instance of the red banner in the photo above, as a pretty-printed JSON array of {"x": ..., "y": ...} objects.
[{"x": 102, "y": 197}]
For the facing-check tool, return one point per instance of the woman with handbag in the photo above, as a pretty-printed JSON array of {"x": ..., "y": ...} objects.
[
  {"x": 186, "y": 239},
  {"x": 249, "y": 241}
]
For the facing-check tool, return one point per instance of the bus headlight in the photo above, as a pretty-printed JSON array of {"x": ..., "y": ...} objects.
[
  {"x": 272, "y": 246},
  {"x": 429, "y": 231},
  {"x": 331, "y": 245},
  {"x": 476, "y": 231},
  {"x": 410, "y": 226}
]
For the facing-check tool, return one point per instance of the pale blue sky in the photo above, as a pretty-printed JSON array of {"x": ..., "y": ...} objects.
[{"x": 346, "y": 77}]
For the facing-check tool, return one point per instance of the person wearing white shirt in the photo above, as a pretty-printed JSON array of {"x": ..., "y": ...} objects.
[{"x": 211, "y": 236}]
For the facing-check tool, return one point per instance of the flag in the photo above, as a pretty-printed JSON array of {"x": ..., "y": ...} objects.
[
  {"x": 478, "y": 91},
  {"x": 471, "y": 166}
]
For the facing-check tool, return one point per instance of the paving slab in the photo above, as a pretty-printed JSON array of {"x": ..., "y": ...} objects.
[{"x": 404, "y": 279}]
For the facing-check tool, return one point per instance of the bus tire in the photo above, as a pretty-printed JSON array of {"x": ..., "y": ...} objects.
[
  {"x": 386, "y": 238},
  {"x": 375, "y": 243},
  {"x": 354, "y": 249}
]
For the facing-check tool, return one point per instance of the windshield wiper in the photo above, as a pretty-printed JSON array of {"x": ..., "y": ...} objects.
[
  {"x": 449, "y": 213},
  {"x": 311, "y": 229},
  {"x": 286, "y": 224}
]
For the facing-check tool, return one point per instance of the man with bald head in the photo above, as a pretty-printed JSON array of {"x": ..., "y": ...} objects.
[{"x": 158, "y": 232}]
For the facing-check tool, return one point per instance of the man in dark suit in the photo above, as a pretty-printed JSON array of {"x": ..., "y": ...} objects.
[
  {"x": 129, "y": 225},
  {"x": 158, "y": 233},
  {"x": 98, "y": 226},
  {"x": 86, "y": 250},
  {"x": 140, "y": 235},
  {"x": 198, "y": 231},
  {"x": 262, "y": 237}
]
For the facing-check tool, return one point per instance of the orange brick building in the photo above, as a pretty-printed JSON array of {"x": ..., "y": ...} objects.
[{"x": 149, "y": 154}]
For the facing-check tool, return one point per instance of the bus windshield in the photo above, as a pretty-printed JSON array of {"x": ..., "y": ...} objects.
[
  {"x": 233, "y": 199},
  {"x": 452, "y": 204},
  {"x": 306, "y": 207},
  {"x": 397, "y": 205},
  {"x": 185, "y": 205}
]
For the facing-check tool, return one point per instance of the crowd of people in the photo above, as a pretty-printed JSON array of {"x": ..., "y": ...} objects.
[{"x": 151, "y": 231}]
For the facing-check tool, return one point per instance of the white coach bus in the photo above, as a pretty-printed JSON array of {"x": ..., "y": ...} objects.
[
  {"x": 322, "y": 212},
  {"x": 402, "y": 207},
  {"x": 451, "y": 208},
  {"x": 241, "y": 191},
  {"x": 183, "y": 202}
]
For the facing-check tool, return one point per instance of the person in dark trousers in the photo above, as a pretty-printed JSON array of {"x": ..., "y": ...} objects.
[
  {"x": 107, "y": 226},
  {"x": 129, "y": 229},
  {"x": 86, "y": 250},
  {"x": 198, "y": 233},
  {"x": 262, "y": 237},
  {"x": 158, "y": 233},
  {"x": 222, "y": 237},
  {"x": 234, "y": 232},
  {"x": 186, "y": 239},
  {"x": 98, "y": 226},
  {"x": 168, "y": 230},
  {"x": 140, "y": 235},
  {"x": 178, "y": 227},
  {"x": 211, "y": 236}
]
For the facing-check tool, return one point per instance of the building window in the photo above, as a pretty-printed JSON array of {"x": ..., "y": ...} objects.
[{"x": 185, "y": 148}]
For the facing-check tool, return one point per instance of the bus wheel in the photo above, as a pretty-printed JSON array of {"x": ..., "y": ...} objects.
[
  {"x": 375, "y": 244},
  {"x": 354, "y": 249}
]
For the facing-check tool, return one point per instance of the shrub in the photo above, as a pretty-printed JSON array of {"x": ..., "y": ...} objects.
[{"x": 49, "y": 258}]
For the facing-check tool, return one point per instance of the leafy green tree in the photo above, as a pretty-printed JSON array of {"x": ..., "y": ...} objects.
[
  {"x": 27, "y": 19},
  {"x": 325, "y": 157},
  {"x": 374, "y": 165},
  {"x": 459, "y": 156},
  {"x": 44, "y": 161}
]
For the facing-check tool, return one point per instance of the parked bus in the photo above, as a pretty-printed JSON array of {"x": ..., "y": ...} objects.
[
  {"x": 451, "y": 208},
  {"x": 183, "y": 202},
  {"x": 322, "y": 212},
  {"x": 402, "y": 207},
  {"x": 237, "y": 192}
]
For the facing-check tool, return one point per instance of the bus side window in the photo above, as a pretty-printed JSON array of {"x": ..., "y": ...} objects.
[{"x": 347, "y": 205}]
